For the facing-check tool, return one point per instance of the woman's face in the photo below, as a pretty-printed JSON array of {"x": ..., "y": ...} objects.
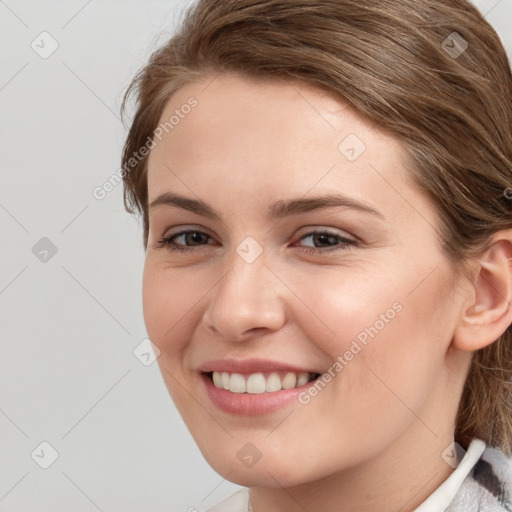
[{"x": 308, "y": 253}]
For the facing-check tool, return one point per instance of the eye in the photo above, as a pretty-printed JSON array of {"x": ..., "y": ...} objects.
[
  {"x": 327, "y": 241},
  {"x": 321, "y": 241},
  {"x": 188, "y": 236}
]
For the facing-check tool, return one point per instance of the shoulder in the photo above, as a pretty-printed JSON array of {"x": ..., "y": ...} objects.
[
  {"x": 488, "y": 486},
  {"x": 238, "y": 502}
]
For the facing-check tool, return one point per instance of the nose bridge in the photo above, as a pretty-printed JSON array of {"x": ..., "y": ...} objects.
[{"x": 247, "y": 297}]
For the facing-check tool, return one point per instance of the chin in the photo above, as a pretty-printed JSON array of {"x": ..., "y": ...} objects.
[{"x": 271, "y": 473}]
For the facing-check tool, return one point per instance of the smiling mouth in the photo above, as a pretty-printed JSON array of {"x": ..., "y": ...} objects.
[{"x": 260, "y": 382}]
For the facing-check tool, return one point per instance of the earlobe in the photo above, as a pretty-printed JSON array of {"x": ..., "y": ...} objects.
[{"x": 488, "y": 313}]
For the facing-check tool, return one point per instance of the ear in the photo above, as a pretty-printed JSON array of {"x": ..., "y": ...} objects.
[{"x": 488, "y": 311}]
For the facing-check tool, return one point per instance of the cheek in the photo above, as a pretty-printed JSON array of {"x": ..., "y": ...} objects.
[
  {"x": 340, "y": 305},
  {"x": 360, "y": 302},
  {"x": 167, "y": 301},
  {"x": 168, "y": 309},
  {"x": 381, "y": 325}
]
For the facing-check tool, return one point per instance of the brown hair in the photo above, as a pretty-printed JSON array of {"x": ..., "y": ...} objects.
[{"x": 404, "y": 65}]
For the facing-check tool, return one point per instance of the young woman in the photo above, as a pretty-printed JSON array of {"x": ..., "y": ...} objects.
[{"x": 326, "y": 194}]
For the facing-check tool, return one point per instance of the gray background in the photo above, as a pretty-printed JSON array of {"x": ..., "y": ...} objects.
[{"x": 70, "y": 323}]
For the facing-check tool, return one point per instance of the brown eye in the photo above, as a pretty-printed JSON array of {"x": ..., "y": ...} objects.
[
  {"x": 324, "y": 241},
  {"x": 189, "y": 237}
]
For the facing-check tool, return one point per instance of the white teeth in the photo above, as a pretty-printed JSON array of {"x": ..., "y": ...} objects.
[
  {"x": 225, "y": 380},
  {"x": 302, "y": 379},
  {"x": 273, "y": 382},
  {"x": 217, "y": 380},
  {"x": 256, "y": 383},
  {"x": 237, "y": 383},
  {"x": 289, "y": 381}
]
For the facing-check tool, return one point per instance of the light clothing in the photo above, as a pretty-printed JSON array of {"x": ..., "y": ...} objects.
[{"x": 482, "y": 482}]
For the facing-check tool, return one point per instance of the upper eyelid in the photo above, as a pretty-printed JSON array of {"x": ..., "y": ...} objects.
[
  {"x": 185, "y": 230},
  {"x": 308, "y": 229},
  {"x": 313, "y": 230}
]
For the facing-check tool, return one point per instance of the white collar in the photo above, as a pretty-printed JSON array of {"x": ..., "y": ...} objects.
[{"x": 444, "y": 494}]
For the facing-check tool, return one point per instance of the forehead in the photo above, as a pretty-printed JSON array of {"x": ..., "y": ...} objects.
[{"x": 276, "y": 138}]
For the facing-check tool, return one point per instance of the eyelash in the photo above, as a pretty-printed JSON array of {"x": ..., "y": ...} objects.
[{"x": 347, "y": 243}]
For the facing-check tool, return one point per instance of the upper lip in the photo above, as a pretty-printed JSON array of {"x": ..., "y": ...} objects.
[{"x": 251, "y": 366}]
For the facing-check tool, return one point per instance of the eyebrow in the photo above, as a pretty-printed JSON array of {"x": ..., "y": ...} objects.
[{"x": 278, "y": 209}]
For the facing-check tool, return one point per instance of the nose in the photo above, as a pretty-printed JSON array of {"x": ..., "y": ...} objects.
[{"x": 248, "y": 301}]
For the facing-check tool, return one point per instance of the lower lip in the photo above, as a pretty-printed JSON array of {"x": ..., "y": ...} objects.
[{"x": 251, "y": 404}]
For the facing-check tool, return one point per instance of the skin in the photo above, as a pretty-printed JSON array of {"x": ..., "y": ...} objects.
[{"x": 372, "y": 439}]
